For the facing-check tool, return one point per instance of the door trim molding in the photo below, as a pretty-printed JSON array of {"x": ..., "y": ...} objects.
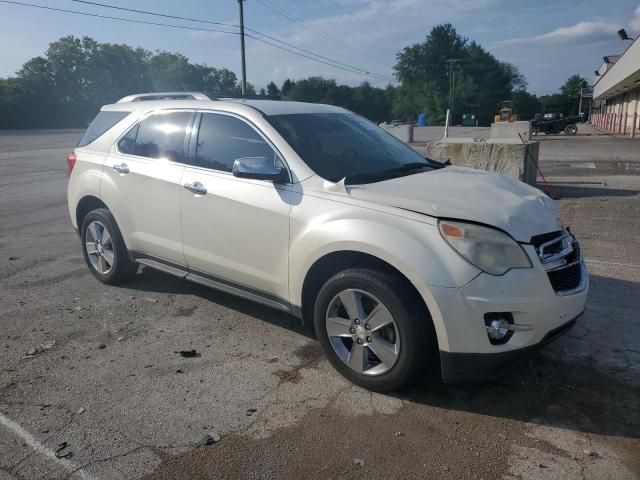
[{"x": 215, "y": 282}]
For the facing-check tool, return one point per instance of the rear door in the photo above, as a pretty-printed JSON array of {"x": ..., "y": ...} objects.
[
  {"x": 141, "y": 183},
  {"x": 235, "y": 230}
]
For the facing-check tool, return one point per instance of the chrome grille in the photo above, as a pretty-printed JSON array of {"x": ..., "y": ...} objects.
[{"x": 561, "y": 247}]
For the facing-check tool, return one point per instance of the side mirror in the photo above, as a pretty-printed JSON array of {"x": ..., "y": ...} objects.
[{"x": 259, "y": 168}]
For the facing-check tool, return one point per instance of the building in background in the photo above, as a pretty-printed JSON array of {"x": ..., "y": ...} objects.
[{"x": 616, "y": 91}]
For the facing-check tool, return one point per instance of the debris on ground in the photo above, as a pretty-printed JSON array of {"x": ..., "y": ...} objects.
[
  {"x": 210, "y": 439},
  {"x": 590, "y": 453},
  {"x": 80, "y": 411},
  {"x": 101, "y": 346},
  {"x": 48, "y": 345},
  {"x": 251, "y": 411},
  {"x": 188, "y": 353},
  {"x": 14, "y": 258},
  {"x": 59, "y": 451},
  {"x": 359, "y": 462}
]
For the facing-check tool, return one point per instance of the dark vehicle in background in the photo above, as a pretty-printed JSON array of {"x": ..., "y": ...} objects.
[{"x": 553, "y": 124}]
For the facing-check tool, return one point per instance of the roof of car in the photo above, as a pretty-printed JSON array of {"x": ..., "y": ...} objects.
[{"x": 267, "y": 107}]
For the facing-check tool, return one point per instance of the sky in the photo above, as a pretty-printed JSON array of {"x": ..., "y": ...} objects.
[{"x": 548, "y": 40}]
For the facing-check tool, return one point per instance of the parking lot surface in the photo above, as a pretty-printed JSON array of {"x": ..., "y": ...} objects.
[{"x": 93, "y": 385}]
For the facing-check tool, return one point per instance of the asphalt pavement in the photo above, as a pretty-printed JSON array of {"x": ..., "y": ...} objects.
[{"x": 93, "y": 385}]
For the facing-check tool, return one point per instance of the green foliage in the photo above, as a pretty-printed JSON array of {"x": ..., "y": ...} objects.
[
  {"x": 67, "y": 86},
  {"x": 481, "y": 81},
  {"x": 272, "y": 89},
  {"x": 525, "y": 104},
  {"x": 75, "y": 77},
  {"x": 567, "y": 101},
  {"x": 370, "y": 102}
]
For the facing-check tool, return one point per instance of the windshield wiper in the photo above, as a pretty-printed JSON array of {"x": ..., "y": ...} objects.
[
  {"x": 400, "y": 171},
  {"x": 408, "y": 167}
]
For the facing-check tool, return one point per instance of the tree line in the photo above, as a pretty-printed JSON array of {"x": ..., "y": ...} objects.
[{"x": 68, "y": 85}]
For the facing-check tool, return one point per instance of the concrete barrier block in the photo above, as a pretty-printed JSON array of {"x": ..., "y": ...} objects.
[
  {"x": 402, "y": 132},
  {"x": 511, "y": 158},
  {"x": 510, "y": 130}
]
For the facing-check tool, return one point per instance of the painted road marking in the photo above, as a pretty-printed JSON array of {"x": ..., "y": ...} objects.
[{"x": 38, "y": 447}]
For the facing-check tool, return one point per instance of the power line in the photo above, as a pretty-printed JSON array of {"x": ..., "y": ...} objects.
[
  {"x": 256, "y": 32},
  {"x": 184, "y": 27},
  {"x": 348, "y": 18},
  {"x": 317, "y": 32}
]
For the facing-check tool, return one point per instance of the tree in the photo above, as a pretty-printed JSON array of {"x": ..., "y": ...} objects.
[
  {"x": 566, "y": 102},
  {"x": 572, "y": 90},
  {"x": 272, "y": 89},
  {"x": 481, "y": 81},
  {"x": 370, "y": 102},
  {"x": 67, "y": 86},
  {"x": 525, "y": 104}
]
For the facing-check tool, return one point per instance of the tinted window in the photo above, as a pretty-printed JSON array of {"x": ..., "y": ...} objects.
[
  {"x": 126, "y": 143},
  {"x": 103, "y": 122},
  {"x": 161, "y": 136},
  {"x": 339, "y": 145},
  {"x": 222, "y": 139}
]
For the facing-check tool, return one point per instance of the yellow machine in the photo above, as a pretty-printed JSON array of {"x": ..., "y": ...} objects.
[{"x": 505, "y": 112}]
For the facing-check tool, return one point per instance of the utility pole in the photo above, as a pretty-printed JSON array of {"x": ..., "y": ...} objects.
[
  {"x": 452, "y": 81},
  {"x": 243, "y": 85}
]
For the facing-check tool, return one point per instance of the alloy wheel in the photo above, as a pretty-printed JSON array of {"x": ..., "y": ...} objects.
[
  {"x": 99, "y": 246},
  {"x": 362, "y": 332}
]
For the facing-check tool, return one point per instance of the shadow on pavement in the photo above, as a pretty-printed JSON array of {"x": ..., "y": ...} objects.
[
  {"x": 149, "y": 280},
  {"x": 558, "y": 387},
  {"x": 573, "y": 191},
  {"x": 574, "y": 394}
]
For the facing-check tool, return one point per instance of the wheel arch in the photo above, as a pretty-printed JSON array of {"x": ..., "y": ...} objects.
[
  {"x": 331, "y": 263},
  {"x": 87, "y": 204}
]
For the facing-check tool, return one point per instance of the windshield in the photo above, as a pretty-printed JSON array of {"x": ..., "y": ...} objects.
[{"x": 345, "y": 145}]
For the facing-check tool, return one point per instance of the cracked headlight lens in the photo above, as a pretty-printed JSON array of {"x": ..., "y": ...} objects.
[{"x": 491, "y": 250}]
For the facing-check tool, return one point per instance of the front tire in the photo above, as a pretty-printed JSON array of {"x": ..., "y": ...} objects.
[
  {"x": 373, "y": 330},
  {"x": 104, "y": 249}
]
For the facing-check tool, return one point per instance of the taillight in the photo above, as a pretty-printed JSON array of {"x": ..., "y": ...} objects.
[{"x": 71, "y": 162}]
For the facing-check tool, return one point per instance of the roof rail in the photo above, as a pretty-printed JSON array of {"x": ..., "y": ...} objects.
[
  {"x": 140, "y": 97},
  {"x": 247, "y": 97}
]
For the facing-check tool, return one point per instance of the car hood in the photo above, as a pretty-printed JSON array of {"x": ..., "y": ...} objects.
[{"x": 468, "y": 194}]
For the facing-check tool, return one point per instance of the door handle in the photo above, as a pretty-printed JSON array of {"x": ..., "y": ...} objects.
[
  {"x": 196, "y": 187},
  {"x": 122, "y": 168}
]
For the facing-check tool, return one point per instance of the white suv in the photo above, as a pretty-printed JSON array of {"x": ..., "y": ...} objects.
[{"x": 398, "y": 261}]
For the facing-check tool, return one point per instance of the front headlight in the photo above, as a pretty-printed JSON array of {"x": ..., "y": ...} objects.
[{"x": 489, "y": 249}]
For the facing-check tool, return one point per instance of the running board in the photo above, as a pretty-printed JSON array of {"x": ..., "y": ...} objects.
[
  {"x": 171, "y": 270},
  {"x": 214, "y": 282},
  {"x": 240, "y": 292}
]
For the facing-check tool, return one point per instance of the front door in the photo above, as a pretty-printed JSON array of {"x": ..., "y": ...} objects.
[
  {"x": 234, "y": 230},
  {"x": 142, "y": 185}
]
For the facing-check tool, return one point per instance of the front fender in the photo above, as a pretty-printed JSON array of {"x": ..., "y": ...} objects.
[{"x": 416, "y": 249}]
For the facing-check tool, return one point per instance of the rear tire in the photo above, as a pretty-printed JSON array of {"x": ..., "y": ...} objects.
[
  {"x": 571, "y": 129},
  {"x": 373, "y": 329},
  {"x": 104, "y": 249}
]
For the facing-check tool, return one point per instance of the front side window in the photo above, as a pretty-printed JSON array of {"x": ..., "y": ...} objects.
[
  {"x": 158, "y": 136},
  {"x": 223, "y": 138},
  {"x": 344, "y": 145}
]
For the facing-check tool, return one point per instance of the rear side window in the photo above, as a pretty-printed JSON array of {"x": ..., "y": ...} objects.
[
  {"x": 222, "y": 139},
  {"x": 158, "y": 136},
  {"x": 103, "y": 122}
]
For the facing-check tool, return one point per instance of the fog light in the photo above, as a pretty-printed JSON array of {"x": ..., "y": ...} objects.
[
  {"x": 499, "y": 326},
  {"x": 498, "y": 329}
]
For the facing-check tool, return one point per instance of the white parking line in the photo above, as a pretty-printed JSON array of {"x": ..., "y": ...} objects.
[
  {"x": 38, "y": 447},
  {"x": 613, "y": 263}
]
